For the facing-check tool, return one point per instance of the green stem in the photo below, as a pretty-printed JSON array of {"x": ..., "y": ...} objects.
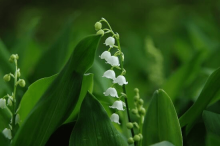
[
  {"x": 140, "y": 127},
  {"x": 123, "y": 87},
  {"x": 14, "y": 101}
]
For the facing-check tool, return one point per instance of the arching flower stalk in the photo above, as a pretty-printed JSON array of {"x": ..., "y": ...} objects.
[
  {"x": 9, "y": 131},
  {"x": 116, "y": 61}
]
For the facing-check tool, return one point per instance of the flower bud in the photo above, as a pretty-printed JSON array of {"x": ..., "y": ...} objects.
[
  {"x": 9, "y": 102},
  {"x": 130, "y": 140},
  {"x": 13, "y": 57},
  {"x": 7, "y": 133},
  {"x": 137, "y": 138},
  {"x": 141, "y": 136},
  {"x": 16, "y": 56},
  {"x": 7, "y": 77},
  {"x": 100, "y": 32},
  {"x": 142, "y": 111},
  {"x": 134, "y": 111},
  {"x": 129, "y": 125},
  {"x": 18, "y": 73},
  {"x": 136, "y": 90},
  {"x": 141, "y": 102},
  {"x": 17, "y": 119},
  {"x": 21, "y": 82},
  {"x": 98, "y": 26},
  {"x": 2, "y": 103},
  {"x": 117, "y": 36},
  {"x": 136, "y": 98}
]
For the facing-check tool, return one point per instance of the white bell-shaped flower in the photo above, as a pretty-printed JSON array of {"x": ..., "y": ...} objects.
[
  {"x": 118, "y": 105},
  {"x": 9, "y": 102},
  {"x": 113, "y": 61},
  {"x": 2, "y": 103},
  {"x": 120, "y": 80},
  {"x": 115, "y": 118},
  {"x": 17, "y": 119},
  {"x": 110, "y": 74},
  {"x": 7, "y": 133},
  {"x": 110, "y": 41},
  {"x": 111, "y": 91},
  {"x": 105, "y": 55}
]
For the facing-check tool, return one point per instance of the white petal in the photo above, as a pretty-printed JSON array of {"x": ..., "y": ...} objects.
[
  {"x": 120, "y": 80},
  {"x": 118, "y": 105},
  {"x": 2, "y": 103},
  {"x": 110, "y": 74},
  {"x": 113, "y": 60},
  {"x": 17, "y": 119},
  {"x": 111, "y": 91},
  {"x": 7, "y": 133},
  {"x": 110, "y": 41},
  {"x": 9, "y": 102},
  {"x": 115, "y": 118},
  {"x": 105, "y": 55}
]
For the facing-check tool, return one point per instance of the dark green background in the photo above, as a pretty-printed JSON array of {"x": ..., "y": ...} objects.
[{"x": 170, "y": 44}]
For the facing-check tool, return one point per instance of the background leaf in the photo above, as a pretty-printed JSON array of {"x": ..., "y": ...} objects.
[
  {"x": 161, "y": 121},
  {"x": 93, "y": 127},
  {"x": 208, "y": 94},
  {"x": 163, "y": 143},
  {"x": 212, "y": 122},
  {"x": 60, "y": 98}
]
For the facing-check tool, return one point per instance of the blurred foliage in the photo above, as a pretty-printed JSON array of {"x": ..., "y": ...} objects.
[{"x": 171, "y": 44}]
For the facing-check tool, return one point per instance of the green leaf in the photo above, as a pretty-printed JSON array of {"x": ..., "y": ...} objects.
[
  {"x": 37, "y": 89},
  {"x": 212, "y": 122},
  {"x": 212, "y": 140},
  {"x": 163, "y": 143},
  {"x": 87, "y": 85},
  {"x": 33, "y": 94},
  {"x": 183, "y": 76},
  {"x": 4, "y": 141},
  {"x": 93, "y": 127},
  {"x": 5, "y": 116},
  {"x": 208, "y": 94},
  {"x": 60, "y": 98},
  {"x": 161, "y": 121}
]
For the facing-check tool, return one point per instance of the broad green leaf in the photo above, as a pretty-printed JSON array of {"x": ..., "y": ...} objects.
[
  {"x": 93, "y": 127},
  {"x": 212, "y": 140},
  {"x": 33, "y": 94},
  {"x": 212, "y": 122},
  {"x": 161, "y": 121},
  {"x": 163, "y": 143},
  {"x": 37, "y": 89},
  {"x": 208, "y": 94},
  {"x": 5, "y": 117},
  {"x": 4, "y": 141},
  {"x": 87, "y": 85},
  {"x": 60, "y": 98}
]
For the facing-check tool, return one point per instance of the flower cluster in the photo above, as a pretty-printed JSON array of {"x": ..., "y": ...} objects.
[
  {"x": 9, "y": 101},
  {"x": 113, "y": 60},
  {"x": 139, "y": 111}
]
